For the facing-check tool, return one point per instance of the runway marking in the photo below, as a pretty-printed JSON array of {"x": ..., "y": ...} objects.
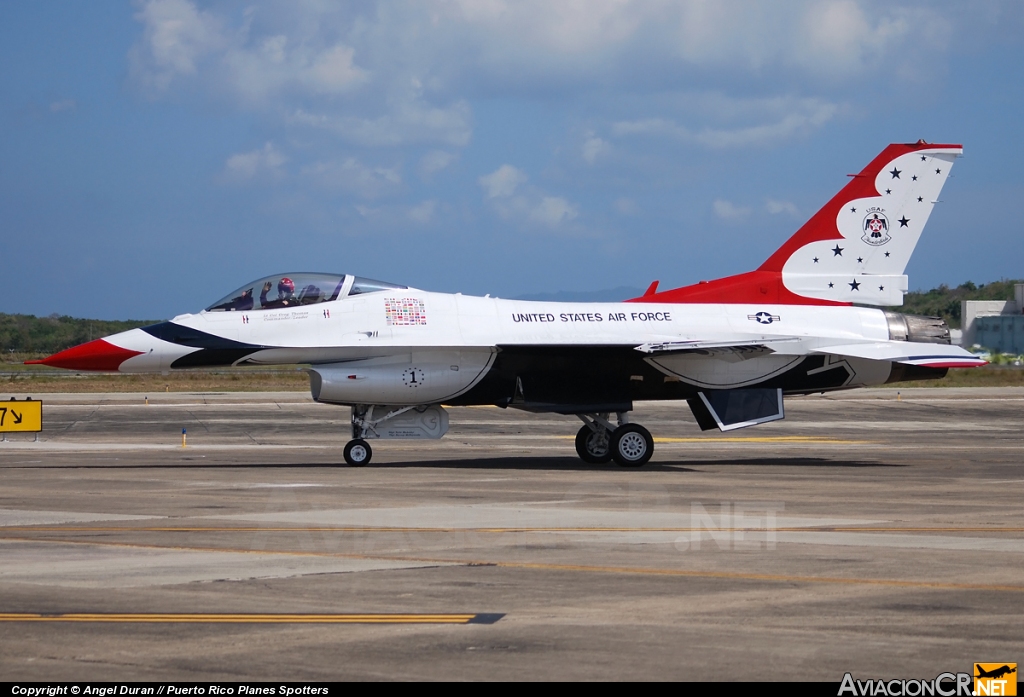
[
  {"x": 248, "y": 618},
  {"x": 682, "y": 573},
  {"x": 781, "y": 578}
]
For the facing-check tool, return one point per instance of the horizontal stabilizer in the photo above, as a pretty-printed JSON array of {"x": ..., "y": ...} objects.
[{"x": 910, "y": 353}]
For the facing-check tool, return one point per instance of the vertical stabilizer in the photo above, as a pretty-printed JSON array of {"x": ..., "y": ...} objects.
[{"x": 855, "y": 249}]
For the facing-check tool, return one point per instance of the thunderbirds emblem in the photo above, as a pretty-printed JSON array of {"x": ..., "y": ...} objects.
[{"x": 876, "y": 227}]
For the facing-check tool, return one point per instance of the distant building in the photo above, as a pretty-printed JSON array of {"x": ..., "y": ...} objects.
[{"x": 994, "y": 324}]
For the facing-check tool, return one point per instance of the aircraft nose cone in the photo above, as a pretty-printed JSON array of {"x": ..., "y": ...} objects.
[{"x": 95, "y": 355}]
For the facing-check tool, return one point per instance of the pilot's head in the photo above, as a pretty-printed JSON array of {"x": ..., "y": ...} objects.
[{"x": 285, "y": 287}]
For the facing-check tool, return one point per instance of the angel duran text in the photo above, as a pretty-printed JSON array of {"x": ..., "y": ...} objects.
[
  {"x": 593, "y": 317},
  {"x": 190, "y": 689}
]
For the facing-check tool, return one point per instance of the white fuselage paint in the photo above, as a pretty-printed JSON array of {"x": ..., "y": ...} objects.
[{"x": 363, "y": 343}]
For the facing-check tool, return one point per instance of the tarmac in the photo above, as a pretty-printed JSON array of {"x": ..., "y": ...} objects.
[{"x": 876, "y": 532}]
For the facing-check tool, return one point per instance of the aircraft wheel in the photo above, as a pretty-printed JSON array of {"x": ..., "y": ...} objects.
[
  {"x": 358, "y": 453},
  {"x": 632, "y": 445},
  {"x": 593, "y": 446}
]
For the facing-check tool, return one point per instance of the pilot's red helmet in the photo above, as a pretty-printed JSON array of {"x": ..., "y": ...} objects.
[{"x": 285, "y": 285}]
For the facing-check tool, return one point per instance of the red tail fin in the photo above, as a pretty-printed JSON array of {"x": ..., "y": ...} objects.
[{"x": 854, "y": 249}]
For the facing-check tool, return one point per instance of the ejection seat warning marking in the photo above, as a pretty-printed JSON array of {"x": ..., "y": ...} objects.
[
  {"x": 404, "y": 311},
  {"x": 25, "y": 416}
]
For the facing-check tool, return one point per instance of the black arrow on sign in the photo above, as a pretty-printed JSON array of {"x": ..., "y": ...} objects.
[{"x": 17, "y": 417}]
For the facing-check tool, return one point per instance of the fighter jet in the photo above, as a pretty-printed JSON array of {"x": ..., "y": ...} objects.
[
  {"x": 733, "y": 349},
  {"x": 995, "y": 672}
]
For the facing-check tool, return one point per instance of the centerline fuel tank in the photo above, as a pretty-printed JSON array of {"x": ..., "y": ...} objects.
[{"x": 420, "y": 377}]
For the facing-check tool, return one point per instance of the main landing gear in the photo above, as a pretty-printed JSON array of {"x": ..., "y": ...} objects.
[{"x": 599, "y": 441}]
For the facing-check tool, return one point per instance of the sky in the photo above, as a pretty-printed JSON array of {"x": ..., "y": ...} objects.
[{"x": 157, "y": 154}]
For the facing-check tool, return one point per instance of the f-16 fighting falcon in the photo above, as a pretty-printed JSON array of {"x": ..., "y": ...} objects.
[{"x": 732, "y": 348}]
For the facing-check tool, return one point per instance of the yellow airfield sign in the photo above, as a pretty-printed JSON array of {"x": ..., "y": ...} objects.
[{"x": 23, "y": 416}]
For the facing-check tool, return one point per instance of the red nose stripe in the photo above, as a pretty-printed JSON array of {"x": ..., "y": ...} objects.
[{"x": 95, "y": 355}]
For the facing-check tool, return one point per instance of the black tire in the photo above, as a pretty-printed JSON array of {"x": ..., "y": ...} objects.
[
  {"x": 588, "y": 446},
  {"x": 632, "y": 445},
  {"x": 358, "y": 453}
]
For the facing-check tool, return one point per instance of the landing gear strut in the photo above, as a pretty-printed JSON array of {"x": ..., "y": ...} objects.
[
  {"x": 593, "y": 445},
  {"x": 357, "y": 451},
  {"x": 599, "y": 441}
]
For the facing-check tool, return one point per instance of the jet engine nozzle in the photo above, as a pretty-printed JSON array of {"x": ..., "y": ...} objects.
[{"x": 917, "y": 328}]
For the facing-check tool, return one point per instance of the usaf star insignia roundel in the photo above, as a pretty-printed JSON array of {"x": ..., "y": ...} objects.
[
  {"x": 876, "y": 227},
  {"x": 763, "y": 317}
]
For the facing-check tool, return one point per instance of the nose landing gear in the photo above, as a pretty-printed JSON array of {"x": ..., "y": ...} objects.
[
  {"x": 599, "y": 441},
  {"x": 358, "y": 453}
]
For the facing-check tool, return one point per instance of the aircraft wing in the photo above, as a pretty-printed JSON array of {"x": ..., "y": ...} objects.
[{"x": 910, "y": 353}]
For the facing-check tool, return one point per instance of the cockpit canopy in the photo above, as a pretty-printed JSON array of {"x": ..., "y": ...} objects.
[{"x": 294, "y": 289}]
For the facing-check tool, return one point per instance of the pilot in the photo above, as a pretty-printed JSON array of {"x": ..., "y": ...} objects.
[
  {"x": 243, "y": 302},
  {"x": 285, "y": 294}
]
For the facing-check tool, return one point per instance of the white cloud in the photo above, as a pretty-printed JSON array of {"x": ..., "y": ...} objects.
[
  {"x": 626, "y": 206},
  {"x": 176, "y": 35},
  {"x": 410, "y": 122},
  {"x": 389, "y": 73},
  {"x": 501, "y": 43},
  {"x": 333, "y": 71},
  {"x": 552, "y": 211},
  {"x": 435, "y": 161},
  {"x": 594, "y": 147},
  {"x": 275, "y": 69},
  {"x": 423, "y": 212},
  {"x": 351, "y": 176},
  {"x": 775, "y": 207},
  {"x": 63, "y": 105},
  {"x": 780, "y": 118},
  {"x": 513, "y": 199},
  {"x": 502, "y": 182},
  {"x": 594, "y": 41},
  {"x": 729, "y": 211},
  {"x": 266, "y": 161}
]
